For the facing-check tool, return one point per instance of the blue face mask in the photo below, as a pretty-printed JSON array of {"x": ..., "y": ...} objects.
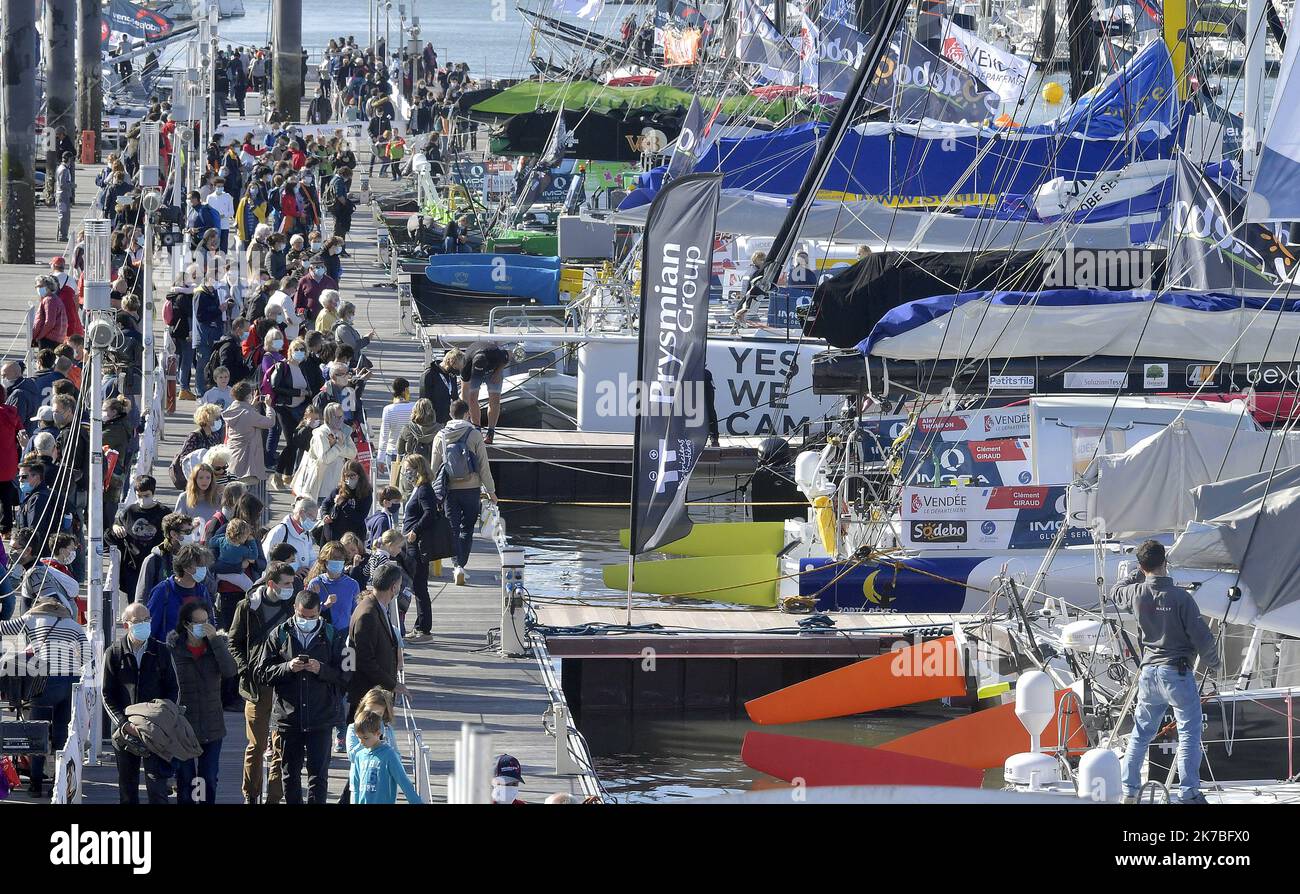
[
  {"x": 306, "y": 625},
  {"x": 140, "y": 631},
  {"x": 200, "y": 574},
  {"x": 26, "y": 488},
  {"x": 334, "y": 567},
  {"x": 308, "y": 523}
]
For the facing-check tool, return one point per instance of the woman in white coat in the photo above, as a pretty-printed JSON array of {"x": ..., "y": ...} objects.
[{"x": 331, "y": 446}]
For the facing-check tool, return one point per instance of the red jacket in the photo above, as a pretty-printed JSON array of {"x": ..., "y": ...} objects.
[
  {"x": 73, "y": 311},
  {"x": 51, "y": 320},
  {"x": 10, "y": 426},
  {"x": 306, "y": 298}
]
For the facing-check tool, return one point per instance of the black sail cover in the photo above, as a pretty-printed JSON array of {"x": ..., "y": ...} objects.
[
  {"x": 672, "y": 422},
  {"x": 849, "y": 303}
]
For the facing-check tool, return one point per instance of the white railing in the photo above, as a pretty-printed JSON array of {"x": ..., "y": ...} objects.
[{"x": 82, "y": 746}]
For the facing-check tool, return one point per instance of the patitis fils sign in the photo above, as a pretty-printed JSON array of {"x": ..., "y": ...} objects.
[{"x": 678, "y": 259}]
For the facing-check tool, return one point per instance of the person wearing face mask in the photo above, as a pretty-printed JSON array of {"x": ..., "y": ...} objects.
[
  {"x": 188, "y": 583},
  {"x": 247, "y": 421},
  {"x": 12, "y": 437},
  {"x": 50, "y": 326},
  {"x": 280, "y": 304},
  {"x": 137, "y": 668},
  {"x": 330, "y": 449},
  {"x": 34, "y": 494},
  {"x": 220, "y": 202},
  {"x": 67, "y": 294},
  {"x": 506, "y": 781},
  {"x": 228, "y": 353},
  {"x": 303, "y": 662},
  {"x": 306, "y": 298},
  {"x": 137, "y": 529},
  {"x": 293, "y": 382},
  {"x": 295, "y": 529},
  {"x": 49, "y": 637},
  {"x": 345, "y": 509},
  {"x": 157, "y": 565},
  {"x": 202, "y": 659},
  {"x": 329, "y": 314},
  {"x": 20, "y": 393},
  {"x": 268, "y": 605},
  {"x": 209, "y": 431},
  {"x": 118, "y": 435},
  {"x": 200, "y": 218},
  {"x": 387, "y": 515},
  {"x": 333, "y": 252}
]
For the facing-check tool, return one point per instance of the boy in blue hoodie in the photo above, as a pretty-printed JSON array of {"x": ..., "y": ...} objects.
[
  {"x": 385, "y": 517},
  {"x": 375, "y": 769}
]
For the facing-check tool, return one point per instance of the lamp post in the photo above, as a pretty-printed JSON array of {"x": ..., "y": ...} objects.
[
  {"x": 151, "y": 201},
  {"x": 388, "y": 23},
  {"x": 100, "y": 333}
]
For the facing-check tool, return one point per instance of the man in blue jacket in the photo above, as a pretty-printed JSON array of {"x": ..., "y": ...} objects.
[{"x": 200, "y": 219}]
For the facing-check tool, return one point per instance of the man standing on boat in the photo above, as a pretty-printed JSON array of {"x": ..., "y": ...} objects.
[{"x": 1173, "y": 634}]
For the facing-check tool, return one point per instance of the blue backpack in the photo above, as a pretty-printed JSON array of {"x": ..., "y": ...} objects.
[{"x": 459, "y": 460}]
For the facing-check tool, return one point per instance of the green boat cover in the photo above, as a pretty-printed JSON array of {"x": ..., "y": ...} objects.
[{"x": 577, "y": 95}]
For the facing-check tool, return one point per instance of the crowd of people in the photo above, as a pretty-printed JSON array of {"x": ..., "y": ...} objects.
[{"x": 229, "y": 609}]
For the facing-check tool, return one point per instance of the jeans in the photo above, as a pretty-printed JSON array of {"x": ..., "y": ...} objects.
[
  {"x": 420, "y": 585},
  {"x": 1161, "y": 686},
  {"x": 313, "y": 749},
  {"x": 187, "y": 367},
  {"x": 156, "y": 773},
  {"x": 204, "y": 767},
  {"x": 56, "y": 701},
  {"x": 462, "y": 511}
]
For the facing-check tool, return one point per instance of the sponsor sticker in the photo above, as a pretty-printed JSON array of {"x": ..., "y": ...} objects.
[
  {"x": 938, "y": 531},
  {"x": 1097, "y": 381},
  {"x": 1155, "y": 375},
  {"x": 1011, "y": 383}
]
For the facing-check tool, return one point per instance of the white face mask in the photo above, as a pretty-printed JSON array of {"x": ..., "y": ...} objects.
[
  {"x": 504, "y": 794},
  {"x": 216, "y": 426}
]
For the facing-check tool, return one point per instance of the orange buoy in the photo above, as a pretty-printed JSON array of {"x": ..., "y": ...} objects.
[
  {"x": 917, "y": 673},
  {"x": 819, "y": 762},
  {"x": 985, "y": 739}
]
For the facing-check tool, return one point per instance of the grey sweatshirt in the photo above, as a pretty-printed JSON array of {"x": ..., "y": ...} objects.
[{"x": 1172, "y": 628}]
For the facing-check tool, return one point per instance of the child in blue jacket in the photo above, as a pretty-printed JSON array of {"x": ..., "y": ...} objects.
[{"x": 376, "y": 772}]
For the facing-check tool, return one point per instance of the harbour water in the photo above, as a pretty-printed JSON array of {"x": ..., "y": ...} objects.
[{"x": 490, "y": 35}]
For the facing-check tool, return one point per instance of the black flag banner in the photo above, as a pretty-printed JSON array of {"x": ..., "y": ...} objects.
[
  {"x": 672, "y": 421},
  {"x": 1210, "y": 248},
  {"x": 688, "y": 142}
]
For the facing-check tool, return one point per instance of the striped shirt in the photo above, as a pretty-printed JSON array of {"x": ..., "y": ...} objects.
[
  {"x": 43, "y": 645},
  {"x": 394, "y": 419}
]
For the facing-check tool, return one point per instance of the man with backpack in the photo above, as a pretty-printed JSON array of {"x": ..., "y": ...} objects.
[
  {"x": 302, "y": 662},
  {"x": 337, "y": 203},
  {"x": 460, "y": 466},
  {"x": 200, "y": 219},
  {"x": 209, "y": 325},
  {"x": 229, "y": 352},
  {"x": 266, "y": 607}
]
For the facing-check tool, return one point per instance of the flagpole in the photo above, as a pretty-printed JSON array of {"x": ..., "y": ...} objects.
[{"x": 631, "y": 568}]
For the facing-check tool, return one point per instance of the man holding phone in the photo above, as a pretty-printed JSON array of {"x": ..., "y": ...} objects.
[{"x": 303, "y": 664}]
